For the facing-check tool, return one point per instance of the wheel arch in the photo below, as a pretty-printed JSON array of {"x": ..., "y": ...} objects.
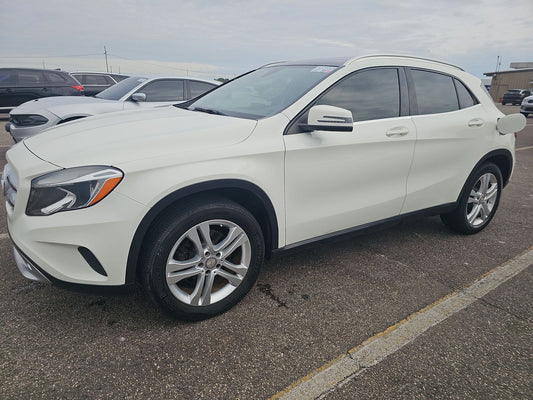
[
  {"x": 245, "y": 193},
  {"x": 502, "y": 158}
]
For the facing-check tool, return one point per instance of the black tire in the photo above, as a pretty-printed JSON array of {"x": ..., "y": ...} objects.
[
  {"x": 525, "y": 114},
  {"x": 169, "y": 240},
  {"x": 503, "y": 103},
  {"x": 458, "y": 219}
]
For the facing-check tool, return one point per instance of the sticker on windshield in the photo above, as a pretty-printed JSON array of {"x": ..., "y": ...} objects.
[{"x": 323, "y": 69}]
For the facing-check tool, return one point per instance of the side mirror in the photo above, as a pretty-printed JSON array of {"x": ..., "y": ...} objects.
[
  {"x": 511, "y": 123},
  {"x": 138, "y": 97},
  {"x": 328, "y": 118}
]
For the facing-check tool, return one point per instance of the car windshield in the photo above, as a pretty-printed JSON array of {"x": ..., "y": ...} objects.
[
  {"x": 512, "y": 91},
  {"x": 118, "y": 90},
  {"x": 263, "y": 92}
]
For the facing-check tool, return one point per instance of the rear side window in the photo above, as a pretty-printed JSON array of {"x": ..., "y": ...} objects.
[
  {"x": 56, "y": 78},
  {"x": 465, "y": 97},
  {"x": 30, "y": 78},
  {"x": 370, "y": 94},
  {"x": 163, "y": 90},
  {"x": 95, "y": 79},
  {"x": 435, "y": 93},
  {"x": 197, "y": 88}
]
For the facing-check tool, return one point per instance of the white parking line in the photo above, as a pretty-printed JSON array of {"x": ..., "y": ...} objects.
[
  {"x": 524, "y": 148},
  {"x": 372, "y": 351}
]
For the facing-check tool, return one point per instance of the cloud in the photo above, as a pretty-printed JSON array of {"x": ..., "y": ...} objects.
[{"x": 233, "y": 36}]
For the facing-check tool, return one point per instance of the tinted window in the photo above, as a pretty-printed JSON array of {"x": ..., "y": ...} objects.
[
  {"x": 465, "y": 97},
  {"x": 95, "y": 80},
  {"x": 370, "y": 94},
  {"x": 197, "y": 88},
  {"x": 435, "y": 93},
  {"x": 30, "y": 78},
  {"x": 163, "y": 90},
  {"x": 119, "y": 90},
  {"x": 7, "y": 77},
  {"x": 55, "y": 77}
]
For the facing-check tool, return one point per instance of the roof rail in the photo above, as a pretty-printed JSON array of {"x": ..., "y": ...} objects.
[{"x": 402, "y": 56}]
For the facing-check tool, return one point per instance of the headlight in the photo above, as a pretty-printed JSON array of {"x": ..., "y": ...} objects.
[
  {"x": 28, "y": 120},
  {"x": 71, "y": 189}
]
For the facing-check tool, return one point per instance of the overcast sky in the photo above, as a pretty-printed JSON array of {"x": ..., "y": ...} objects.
[{"x": 224, "y": 38}]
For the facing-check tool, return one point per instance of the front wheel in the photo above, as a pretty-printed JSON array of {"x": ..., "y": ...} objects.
[
  {"x": 201, "y": 259},
  {"x": 479, "y": 201}
]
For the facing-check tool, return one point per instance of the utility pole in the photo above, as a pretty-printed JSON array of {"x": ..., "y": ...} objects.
[{"x": 105, "y": 53}]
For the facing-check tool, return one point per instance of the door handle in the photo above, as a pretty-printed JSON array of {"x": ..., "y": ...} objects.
[
  {"x": 475, "y": 123},
  {"x": 397, "y": 132}
]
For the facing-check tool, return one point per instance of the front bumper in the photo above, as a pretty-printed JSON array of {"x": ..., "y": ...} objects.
[
  {"x": 80, "y": 247},
  {"x": 27, "y": 268}
]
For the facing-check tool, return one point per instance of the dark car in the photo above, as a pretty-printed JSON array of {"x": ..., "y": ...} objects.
[
  {"x": 515, "y": 96},
  {"x": 19, "y": 85},
  {"x": 94, "y": 82}
]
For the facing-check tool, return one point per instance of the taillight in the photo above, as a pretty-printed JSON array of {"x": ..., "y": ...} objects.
[{"x": 79, "y": 88}]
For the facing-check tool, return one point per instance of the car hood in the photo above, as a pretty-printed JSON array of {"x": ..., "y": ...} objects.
[
  {"x": 123, "y": 137},
  {"x": 67, "y": 105}
]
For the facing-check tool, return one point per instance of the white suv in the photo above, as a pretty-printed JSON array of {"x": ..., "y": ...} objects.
[{"x": 189, "y": 199}]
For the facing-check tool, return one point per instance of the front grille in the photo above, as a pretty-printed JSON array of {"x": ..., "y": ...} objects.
[{"x": 10, "y": 186}]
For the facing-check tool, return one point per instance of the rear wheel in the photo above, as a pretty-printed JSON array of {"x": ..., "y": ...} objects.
[
  {"x": 479, "y": 202},
  {"x": 202, "y": 260}
]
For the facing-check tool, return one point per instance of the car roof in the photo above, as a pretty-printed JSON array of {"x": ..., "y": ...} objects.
[
  {"x": 343, "y": 61},
  {"x": 36, "y": 69},
  {"x": 155, "y": 76}
]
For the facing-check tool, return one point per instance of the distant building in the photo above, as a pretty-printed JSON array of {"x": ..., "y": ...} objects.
[{"x": 519, "y": 78}]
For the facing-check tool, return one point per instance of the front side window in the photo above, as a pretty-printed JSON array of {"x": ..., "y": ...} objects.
[
  {"x": 8, "y": 77},
  {"x": 116, "y": 92},
  {"x": 435, "y": 93},
  {"x": 163, "y": 90},
  {"x": 370, "y": 94}
]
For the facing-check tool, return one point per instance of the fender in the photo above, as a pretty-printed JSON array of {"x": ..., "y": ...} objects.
[
  {"x": 505, "y": 169},
  {"x": 271, "y": 231}
]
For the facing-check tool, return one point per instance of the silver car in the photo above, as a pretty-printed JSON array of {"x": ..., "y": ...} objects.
[
  {"x": 526, "y": 107},
  {"x": 135, "y": 92}
]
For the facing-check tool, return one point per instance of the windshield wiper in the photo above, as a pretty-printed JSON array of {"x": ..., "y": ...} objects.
[{"x": 208, "y": 111}]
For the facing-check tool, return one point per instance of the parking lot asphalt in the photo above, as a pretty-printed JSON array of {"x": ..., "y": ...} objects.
[{"x": 308, "y": 307}]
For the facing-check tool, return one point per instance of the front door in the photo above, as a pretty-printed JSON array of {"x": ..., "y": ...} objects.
[{"x": 339, "y": 180}]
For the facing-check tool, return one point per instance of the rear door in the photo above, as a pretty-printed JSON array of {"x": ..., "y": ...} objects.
[
  {"x": 338, "y": 180},
  {"x": 451, "y": 127},
  {"x": 8, "y": 81},
  {"x": 31, "y": 84}
]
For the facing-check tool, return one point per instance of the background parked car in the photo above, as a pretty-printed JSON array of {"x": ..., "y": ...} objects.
[
  {"x": 94, "y": 82},
  {"x": 19, "y": 85},
  {"x": 515, "y": 96},
  {"x": 134, "y": 92},
  {"x": 526, "y": 107}
]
